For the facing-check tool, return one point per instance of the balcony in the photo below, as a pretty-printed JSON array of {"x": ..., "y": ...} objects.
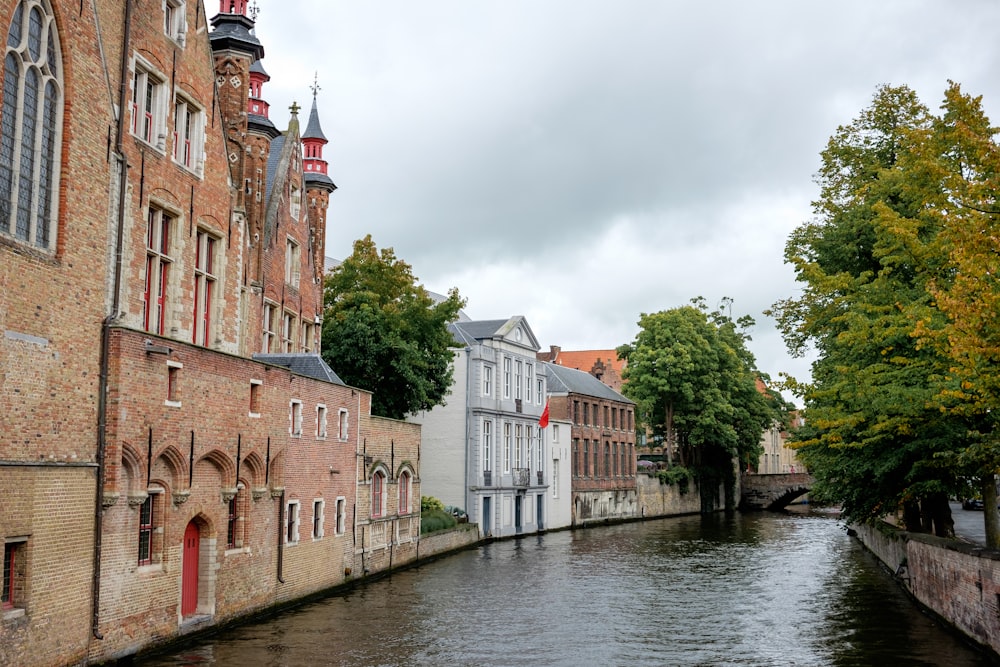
[
  {"x": 520, "y": 476},
  {"x": 487, "y": 478}
]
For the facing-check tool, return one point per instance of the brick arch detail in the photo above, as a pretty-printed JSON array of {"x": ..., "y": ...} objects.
[{"x": 224, "y": 464}]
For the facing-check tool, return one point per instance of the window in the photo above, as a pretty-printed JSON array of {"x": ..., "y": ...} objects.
[
  {"x": 576, "y": 457},
  {"x": 555, "y": 478},
  {"x": 487, "y": 444},
  {"x": 147, "y": 528},
  {"x": 597, "y": 446},
  {"x": 292, "y": 263},
  {"x": 607, "y": 421},
  {"x": 528, "y": 377},
  {"x": 342, "y": 425},
  {"x": 295, "y": 417},
  {"x": 294, "y": 203},
  {"x": 378, "y": 494},
  {"x": 487, "y": 380},
  {"x": 506, "y": 447},
  {"x": 189, "y": 134},
  {"x": 318, "y": 506},
  {"x": 174, "y": 23},
  {"x": 14, "y": 568},
  {"x": 586, "y": 413},
  {"x": 576, "y": 412},
  {"x": 341, "y": 515},
  {"x": 517, "y": 378},
  {"x": 506, "y": 377},
  {"x": 287, "y": 332},
  {"x": 320, "y": 421},
  {"x": 307, "y": 337},
  {"x": 158, "y": 260},
  {"x": 518, "y": 444},
  {"x": 31, "y": 127},
  {"x": 255, "y": 398},
  {"x": 555, "y": 433},
  {"x": 586, "y": 458},
  {"x": 231, "y": 523},
  {"x": 173, "y": 381},
  {"x": 148, "y": 102},
  {"x": 292, "y": 523},
  {"x": 539, "y": 463},
  {"x": 539, "y": 391},
  {"x": 204, "y": 286},
  {"x": 270, "y": 313},
  {"x": 404, "y": 492}
]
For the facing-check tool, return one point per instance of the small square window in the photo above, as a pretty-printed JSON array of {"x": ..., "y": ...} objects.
[
  {"x": 255, "y": 398},
  {"x": 173, "y": 384}
]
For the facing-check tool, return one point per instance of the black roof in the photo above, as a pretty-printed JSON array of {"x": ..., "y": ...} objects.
[
  {"x": 309, "y": 365},
  {"x": 313, "y": 130}
]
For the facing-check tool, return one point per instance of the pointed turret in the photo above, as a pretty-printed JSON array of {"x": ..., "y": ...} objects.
[{"x": 314, "y": 167}]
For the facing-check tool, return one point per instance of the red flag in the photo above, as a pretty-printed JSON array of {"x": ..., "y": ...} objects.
[{"x": 543, "y": 421}]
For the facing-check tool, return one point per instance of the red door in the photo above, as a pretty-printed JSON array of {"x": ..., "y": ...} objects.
[{"x": 189, "y": 578}]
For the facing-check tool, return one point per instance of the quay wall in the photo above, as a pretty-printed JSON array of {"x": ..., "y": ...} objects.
[
  {"x": 956, "y": 581},
  {"x": 656, "y": 499}
]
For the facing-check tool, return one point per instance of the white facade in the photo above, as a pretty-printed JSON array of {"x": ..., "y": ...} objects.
[
  {"x": 484, "y": 451},
  {"x": 560, "y": 497}
]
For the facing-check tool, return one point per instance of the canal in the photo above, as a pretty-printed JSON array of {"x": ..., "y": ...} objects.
[{"x": 757, "y": 589}]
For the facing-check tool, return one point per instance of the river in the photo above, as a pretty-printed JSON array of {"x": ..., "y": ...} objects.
[{"x": 755, "y": 589}]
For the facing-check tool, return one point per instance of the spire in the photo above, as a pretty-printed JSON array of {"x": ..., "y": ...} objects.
[{"x": 314, "y": 167}]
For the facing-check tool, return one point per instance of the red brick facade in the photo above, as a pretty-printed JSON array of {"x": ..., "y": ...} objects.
[{"x": 156, "y": 478}]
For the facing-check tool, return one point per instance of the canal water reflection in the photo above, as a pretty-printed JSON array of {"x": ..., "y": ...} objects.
[{"x": 759, "y": 589}]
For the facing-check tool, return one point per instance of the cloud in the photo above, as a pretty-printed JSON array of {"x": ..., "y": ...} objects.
[{"x": 581, "y": 162}]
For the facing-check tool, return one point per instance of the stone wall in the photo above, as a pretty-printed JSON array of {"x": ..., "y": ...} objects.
[
  {"x": 657, "y": 499},
  {"x": 442, "y": 542},
  {"x": 959, "y": 582}
]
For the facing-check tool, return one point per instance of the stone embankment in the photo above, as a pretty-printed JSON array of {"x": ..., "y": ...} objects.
[{"x": 956, "y": 581}]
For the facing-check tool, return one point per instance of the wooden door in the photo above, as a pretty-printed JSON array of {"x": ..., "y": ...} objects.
[{"x": 189, "y": 577}]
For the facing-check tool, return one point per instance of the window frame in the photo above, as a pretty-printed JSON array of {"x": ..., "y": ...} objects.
[
  {"x": 291, "y": 527},
  {"x": 149, "y": 93},
  {"x": 487, "y": 438},
  {"x": 189, "y": 133},
  {"x": 379, "y": 491},
  {"x": 321, "y": 421},
  {"x": 269, "y": 318},
  {"x": 295, "y": 418},
  {"x": 30, "y": 143},
  {"x": 293, "y": 262},
  {"x": 175, "y": 20},
  {"x": 487, "y": 380},
  {"x": 404, "y": 492},
  {"x": 341, "y": 506},
  {"x": 160, "y": 228},
  {"x": 343, "y": 425},
  {"x": 319, "y": 518},
  {"x": 12, "y": 576},
  {"x": 205, "y": 282}
]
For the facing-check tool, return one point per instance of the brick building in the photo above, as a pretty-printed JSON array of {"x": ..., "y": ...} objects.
[
  {"x": 175, "y": 453},
  {"x": 603, "y": 444},
  {"x": 602, "y": 364}
]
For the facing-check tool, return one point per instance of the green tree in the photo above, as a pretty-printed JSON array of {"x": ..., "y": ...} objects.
[
  {"x": 383, "y": 332},
  {"x": 961, "y": 156},
  {"x": 874, "y": 437},
  {"x": 694, "y": 382}
]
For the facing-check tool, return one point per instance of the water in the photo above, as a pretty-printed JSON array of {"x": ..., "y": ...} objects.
[{"x": 760, "y": 589}]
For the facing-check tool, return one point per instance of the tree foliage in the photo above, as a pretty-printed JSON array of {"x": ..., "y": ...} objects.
[
  {"x": 383, "y": 332},
  {"x": 878, "y": 434},
  {"x": 694, "y": 383}
]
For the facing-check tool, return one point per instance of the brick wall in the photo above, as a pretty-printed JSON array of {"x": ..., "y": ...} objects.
[{"x": 959, "y": 582}]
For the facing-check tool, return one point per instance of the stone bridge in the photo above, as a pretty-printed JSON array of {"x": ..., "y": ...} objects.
[{"x": 773, "y": 492}]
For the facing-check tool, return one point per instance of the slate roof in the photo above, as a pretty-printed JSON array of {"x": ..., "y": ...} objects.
[
  {"x": 468, "y": 332},
  {"x": 257, "y": 68},
  {"x": 313, "y": 130},
  {"x": 273, "y": 158},
  {"x": 309, "y": 365},
  {"x": 571, "y": 381}
]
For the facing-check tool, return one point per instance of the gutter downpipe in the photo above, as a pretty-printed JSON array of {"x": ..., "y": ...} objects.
[
  {"x": 281, "y": 527},
  {"x": 102, "y": 401}
]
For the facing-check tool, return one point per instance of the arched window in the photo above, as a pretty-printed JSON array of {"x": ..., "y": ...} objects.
[
  {"x": 30, "y": 126},
  {"x": 378, "y": 494},
  {"x": 404, "y": 492}
]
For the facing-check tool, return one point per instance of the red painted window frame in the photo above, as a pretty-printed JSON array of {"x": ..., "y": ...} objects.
[{"x": 378, "y": 486}]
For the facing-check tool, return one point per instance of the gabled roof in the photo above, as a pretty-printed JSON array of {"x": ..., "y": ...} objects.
[
  {"x": 309, "y": 365},
  {"x": 468, "y": 332},
  {"x": 571, "y": 381}
]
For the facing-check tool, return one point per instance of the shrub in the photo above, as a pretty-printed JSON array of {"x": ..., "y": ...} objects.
[
  {"x": 678, "y": 475},
  {"x": 435, "y": 519},
  {"x": 430, "y": 503}
]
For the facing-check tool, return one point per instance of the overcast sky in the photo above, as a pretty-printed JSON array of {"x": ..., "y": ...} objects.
[{"x": 582, "y": 162}]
